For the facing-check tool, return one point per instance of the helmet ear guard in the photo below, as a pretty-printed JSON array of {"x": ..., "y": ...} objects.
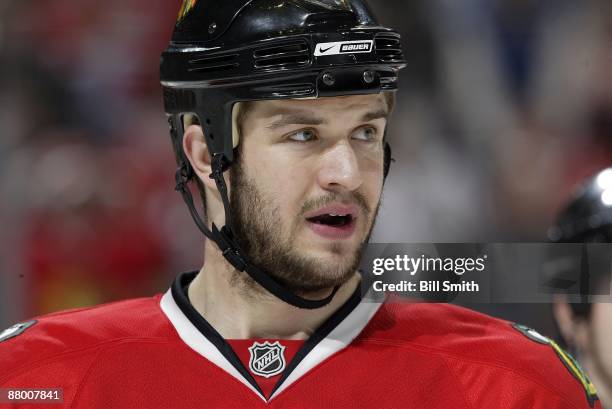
[
  {"x": 184, "y": 172},
  {"x": 388, "y": 159}
]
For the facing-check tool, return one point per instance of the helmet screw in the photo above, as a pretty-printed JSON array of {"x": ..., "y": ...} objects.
[
  {"x": 368, "y": 77},
  {"x": 328, "y": 79},
  {"x": 212, "y": 27}
]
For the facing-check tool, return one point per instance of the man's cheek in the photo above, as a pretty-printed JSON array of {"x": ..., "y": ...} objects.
[{"x": 373, "y": 194}]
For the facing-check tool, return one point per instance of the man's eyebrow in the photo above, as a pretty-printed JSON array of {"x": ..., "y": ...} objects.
[
  {"x": 305, "y": 118},
  {"x": 370, "y": 116},
  {"x": 295, "y": 118}
]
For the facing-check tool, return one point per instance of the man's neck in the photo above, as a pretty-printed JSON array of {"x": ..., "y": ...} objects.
[
  {"x": 597, "y": 375},
  {"x": 236, "y": 315}
]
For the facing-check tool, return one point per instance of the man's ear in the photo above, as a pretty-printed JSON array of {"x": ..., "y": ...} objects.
[
  {"x": 196, "y": 151},
  {"x": 573, "y": 328}
]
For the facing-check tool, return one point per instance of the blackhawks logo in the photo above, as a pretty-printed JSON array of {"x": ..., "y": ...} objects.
[
  {"x": 568, "y": 361},
  {"x": 187, "y": 6},
  {"x": 267, "y": 359}
]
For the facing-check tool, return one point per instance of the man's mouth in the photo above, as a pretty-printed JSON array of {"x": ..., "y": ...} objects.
[{"x": 334, "y": 221}]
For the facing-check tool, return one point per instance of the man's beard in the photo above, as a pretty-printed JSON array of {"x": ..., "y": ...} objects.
[{"x": 257, "y": 227}]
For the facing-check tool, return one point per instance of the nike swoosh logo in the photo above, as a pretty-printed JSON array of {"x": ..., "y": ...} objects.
[{"x": 324, "y": 50}]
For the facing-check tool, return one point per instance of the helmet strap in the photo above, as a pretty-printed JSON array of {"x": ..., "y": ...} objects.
[{"x": 225, "y": 240}]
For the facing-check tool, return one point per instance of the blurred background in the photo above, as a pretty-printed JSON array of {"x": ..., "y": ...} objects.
[{"x": 505, "y": 105}]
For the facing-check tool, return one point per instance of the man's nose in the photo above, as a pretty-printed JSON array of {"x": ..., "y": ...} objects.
[{"x": 340, "y": 168}]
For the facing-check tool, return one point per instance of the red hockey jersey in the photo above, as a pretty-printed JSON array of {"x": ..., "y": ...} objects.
[{"x": 160, "y": 353}]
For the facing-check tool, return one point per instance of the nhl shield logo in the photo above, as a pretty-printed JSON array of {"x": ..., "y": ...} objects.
[{"x": 267, "y": 359}]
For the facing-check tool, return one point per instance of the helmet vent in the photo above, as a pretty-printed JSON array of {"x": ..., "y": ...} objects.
[
  {"x": 287, "y": 55},
  {"x": 389, "y": 49},
  {"x": 214, "y": 63}
]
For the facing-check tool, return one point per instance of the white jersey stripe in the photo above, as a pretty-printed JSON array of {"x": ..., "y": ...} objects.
[
  {"x": 197, "y": 341},
  {"x": 335, "y": 342}
]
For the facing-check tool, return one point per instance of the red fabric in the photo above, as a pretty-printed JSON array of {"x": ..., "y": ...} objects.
[
  {"x": 241, "y": 347},
  {"x": 127, "y": 355}
]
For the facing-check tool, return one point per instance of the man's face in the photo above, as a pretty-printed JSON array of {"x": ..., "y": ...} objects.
[
  {"x": 600, "y": 333},
  {"x": 307, "y": 186}
]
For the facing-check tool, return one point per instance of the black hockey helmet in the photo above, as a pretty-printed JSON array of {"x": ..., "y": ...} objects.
[
  {"x": 231, "y": 51},
  {"x": 586, "y": 219}
]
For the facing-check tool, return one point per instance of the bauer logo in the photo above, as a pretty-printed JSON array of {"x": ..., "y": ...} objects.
[
  {"x": 364, "y": 47},
  {"x": 343, "y": 47}
]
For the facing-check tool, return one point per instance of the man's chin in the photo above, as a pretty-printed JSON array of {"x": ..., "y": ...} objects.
[
  {"x": 311, "y": 243},
  {"x": 335, "y": 266},
  {"x": 322, "y": 281}
]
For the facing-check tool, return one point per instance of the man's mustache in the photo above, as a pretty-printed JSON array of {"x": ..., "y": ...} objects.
[{"x": 356, "y": 198}]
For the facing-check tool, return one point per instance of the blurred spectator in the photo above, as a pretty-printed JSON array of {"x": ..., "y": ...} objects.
[
  {"x": 87, "y": 205},
  {"x": 89, "y": 238}
]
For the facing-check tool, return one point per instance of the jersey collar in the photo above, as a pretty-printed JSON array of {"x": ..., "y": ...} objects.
[{"x": 335, "y": 334}]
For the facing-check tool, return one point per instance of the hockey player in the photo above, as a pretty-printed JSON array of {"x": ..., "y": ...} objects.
[
  {"x": 278, "y": 110},
  {"x": 586, "y": 327}
]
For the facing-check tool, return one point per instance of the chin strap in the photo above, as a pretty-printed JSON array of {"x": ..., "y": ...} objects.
[{"x": 224, "y": 238}]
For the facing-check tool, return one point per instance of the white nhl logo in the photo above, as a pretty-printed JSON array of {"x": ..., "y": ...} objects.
[{"x": 267, "y": 359}]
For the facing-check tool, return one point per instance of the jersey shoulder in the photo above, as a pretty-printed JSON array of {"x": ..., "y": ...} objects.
[
  {"x": 478, "y": 340},
  {"x": 80, "y": 332}
]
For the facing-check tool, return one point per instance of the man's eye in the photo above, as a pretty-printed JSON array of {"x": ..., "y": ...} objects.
[
  {"x": 368, "y": 133},
  {"x": 304, "y": 135}
]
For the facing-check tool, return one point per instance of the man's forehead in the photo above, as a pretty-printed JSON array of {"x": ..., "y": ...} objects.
[{"x": 321, "y": 106}]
